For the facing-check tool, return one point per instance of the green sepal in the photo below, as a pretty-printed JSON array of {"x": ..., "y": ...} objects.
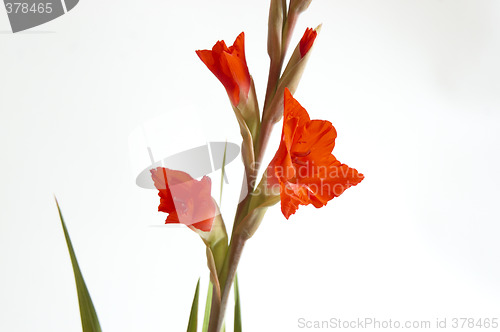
[{"x": 260, "y": 200}]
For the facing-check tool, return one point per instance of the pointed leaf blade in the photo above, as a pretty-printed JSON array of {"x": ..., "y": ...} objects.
[
  {"x": 237, "y": 307},
  {"x": 88, "y": 315},
  {"x": 208, "y": 307},
  {"x": 193, "y": 316}
]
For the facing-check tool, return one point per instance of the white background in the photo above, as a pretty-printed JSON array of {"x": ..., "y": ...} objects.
[{"x": 412, "y": 88}]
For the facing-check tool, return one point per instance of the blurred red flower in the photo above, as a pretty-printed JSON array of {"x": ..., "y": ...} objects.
[
  {"x": 186, "y": 200},
  {"x": 303, "y": 168},
  {"x": 229, "y": 65}
]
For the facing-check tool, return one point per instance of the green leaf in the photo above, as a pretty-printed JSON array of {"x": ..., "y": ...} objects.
[
  {"x": 237, "y": 308},
  {"x": 90, "y": 322},
  {"x": 193, "y": 317},
  {"x": 208, "y": 306},
  {"x": 213, "y": 270}
]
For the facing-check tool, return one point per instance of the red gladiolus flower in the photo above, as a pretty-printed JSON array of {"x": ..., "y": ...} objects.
[
  {"x": 307, "y": 41},
  {"x": 229, "y": 65},
  {"x": 303, "y": 168},
  {"x": 186, "y": 200}
]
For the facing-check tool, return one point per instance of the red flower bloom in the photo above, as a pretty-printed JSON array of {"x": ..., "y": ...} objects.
[
  {"x": 303, "y": 168},
  {"x": 186, "y": 200},
  {"x": 307, "y": 41},
  {"x": 229, "y": 66}
]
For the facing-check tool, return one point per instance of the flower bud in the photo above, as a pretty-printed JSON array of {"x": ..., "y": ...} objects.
[
  {"x": 275, "y": 30},
  {"x": 293, "y": 73},
  {"x": 229, "y": 65},
  {"x": 298, "y": 6},
  {"x": 307, "y": 41}
]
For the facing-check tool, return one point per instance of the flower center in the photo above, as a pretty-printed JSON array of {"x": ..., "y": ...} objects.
[{"x": 297, "y": 155}]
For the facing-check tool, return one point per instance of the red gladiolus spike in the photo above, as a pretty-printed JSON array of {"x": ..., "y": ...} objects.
[{"x": 303, "y": 167}]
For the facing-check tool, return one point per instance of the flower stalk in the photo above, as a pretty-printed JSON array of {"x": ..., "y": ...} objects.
[
  {"x": 226, "y": 279},
  {"x": 305, "y": 144},
  {"x": 250, "y": 213}
]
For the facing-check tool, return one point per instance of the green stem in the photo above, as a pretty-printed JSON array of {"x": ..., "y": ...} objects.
[
  {"x": 237, "y": 243},
  {"x": 226, "y": 280},
  {"x": 272, "y": 82}
]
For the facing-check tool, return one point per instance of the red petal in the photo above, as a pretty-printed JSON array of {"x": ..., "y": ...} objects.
[
  {"x": 294, "y": 116},
  {"x": 336, "y": 179},
  {"x": 159, "y": 177},
  {"x": 208, "y": 59},
  {"x": 289, "y": 201},
  {"x": 185, "y": 199},
  {"x": 314, "y": 142},
  {"x": 238, "y": 65},
  {"x": 166, "y": 205},
  {"x": 307, "y": 41},
  {"x": 303, "y": 166},
  {"x": 205, "y": 225},
  {"x": 239, "y": 47},
  {"x": 229, "y": 66},
  {"x": 172, "y": 218}
]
